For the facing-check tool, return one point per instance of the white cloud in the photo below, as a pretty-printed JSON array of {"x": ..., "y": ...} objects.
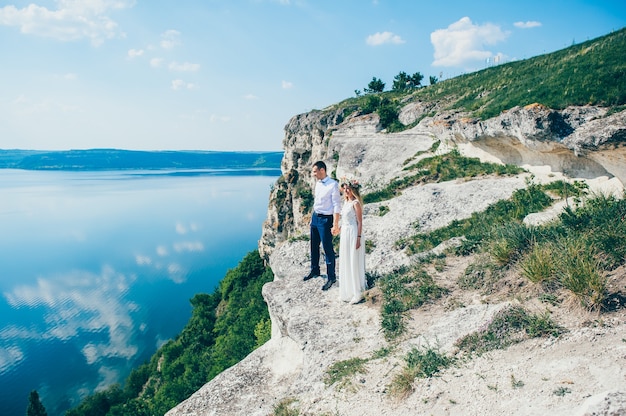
[
  {"x": 133, "y": 53},
  {"x": 170, "y": 39},
  {"x": 287, "y": 85},
  {"x": 463, "y": 42},
  {"x": 177, "y": 273},
  {"x": 382, "y": 38},
  {"x": 72, "y": 20},
  {"x": 162, "y": 251},
  {"x": 143, "y": 260},
  {"x": 527, "y": 25},
  {"x": 10, "y": 357},
  {"x": 213, "y": 118},
  {"x": 250, "y": 97},
  {"x": 190, "y": 246},
  {"x": 183, "y": 229},
  {"x": 79, "y": 302},
  {"x": 179, "y": 84},
  {"x": 184, "y": 67},
  {"x": 156, "y": 62},
  {"x": 70, "y": 76}
]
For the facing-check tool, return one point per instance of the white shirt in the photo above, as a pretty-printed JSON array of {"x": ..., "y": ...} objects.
[{"x": 327, "y": 197}]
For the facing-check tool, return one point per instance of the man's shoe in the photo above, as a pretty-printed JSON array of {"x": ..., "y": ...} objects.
[
  {"x": 328, "y": 284},
  {"x": 311, "y": 275}
]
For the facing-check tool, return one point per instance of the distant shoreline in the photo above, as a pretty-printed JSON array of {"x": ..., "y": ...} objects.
[{"x": 117, "y": 159}]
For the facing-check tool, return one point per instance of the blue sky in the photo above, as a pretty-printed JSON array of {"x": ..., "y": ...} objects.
[{"x": 229, "y": 74}]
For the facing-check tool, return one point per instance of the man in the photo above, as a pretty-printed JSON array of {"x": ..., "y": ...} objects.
[{"x": 324, "y": 223}]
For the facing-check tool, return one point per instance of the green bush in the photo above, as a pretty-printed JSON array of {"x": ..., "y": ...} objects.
[
  {"x": 420, "y": 363},
  {"x": 539, "y": 265},
  {"x": 510, "y": 241},
  {"x": 581, "y": 273},
  {"x": 509, "y": 326}
]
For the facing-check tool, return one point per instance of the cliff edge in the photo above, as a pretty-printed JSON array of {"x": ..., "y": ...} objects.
[{"x": 312, "y": 329}]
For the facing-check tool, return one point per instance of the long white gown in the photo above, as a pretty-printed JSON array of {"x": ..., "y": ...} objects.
[{"x": 352, "y": 282}]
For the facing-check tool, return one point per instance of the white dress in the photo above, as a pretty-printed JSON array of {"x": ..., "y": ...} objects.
[{"x": 352, "y": 282}]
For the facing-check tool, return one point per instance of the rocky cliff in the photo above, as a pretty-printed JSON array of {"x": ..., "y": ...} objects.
[{"x": 312, "y": 330}]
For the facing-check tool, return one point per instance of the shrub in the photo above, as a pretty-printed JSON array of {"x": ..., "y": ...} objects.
[
  {"x": 420, "y": 363},
  {"x": 511, "y": 241},
  {"x": 509, "y": 326},
  {"x": 262, "y": 332},
  {"x": 539, "y": 264},
  {"x": 603, "y": 221},
  {"x": 580, "y": 272}
]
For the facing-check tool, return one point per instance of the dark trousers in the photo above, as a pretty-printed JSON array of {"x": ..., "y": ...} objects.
[{"x": 320, "y": 232}]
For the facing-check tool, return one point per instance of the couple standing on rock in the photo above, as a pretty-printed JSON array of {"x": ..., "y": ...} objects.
[{"x": 327, "y": 211}]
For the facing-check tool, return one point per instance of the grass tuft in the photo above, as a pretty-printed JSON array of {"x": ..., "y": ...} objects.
[
  {"x": 341, "y": 371},
  {"x": 420, "y": 363},
  {"x": 285, "y": 408},
  {"x": 509, "y": 326}
]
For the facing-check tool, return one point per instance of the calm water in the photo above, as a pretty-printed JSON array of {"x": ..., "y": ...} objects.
[{"x": 97, "y": 269}]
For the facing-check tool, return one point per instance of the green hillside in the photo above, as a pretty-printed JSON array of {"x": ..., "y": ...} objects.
[{"x": 590, "y": 73}]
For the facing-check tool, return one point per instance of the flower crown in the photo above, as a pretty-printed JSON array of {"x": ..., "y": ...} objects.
[{"x": 354, "y": 184}]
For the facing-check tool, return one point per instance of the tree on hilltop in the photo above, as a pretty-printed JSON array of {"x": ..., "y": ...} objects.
[
  {"x": 375, "y": 85},
  {"x": 404, "y": 81}
]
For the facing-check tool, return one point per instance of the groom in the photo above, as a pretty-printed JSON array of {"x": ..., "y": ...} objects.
[{"x": 324, "y": 223}]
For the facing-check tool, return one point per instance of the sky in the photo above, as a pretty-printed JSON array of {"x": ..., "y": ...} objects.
[{"x": 230, "y": 74}]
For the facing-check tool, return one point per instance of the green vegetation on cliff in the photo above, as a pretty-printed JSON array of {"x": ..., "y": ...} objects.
[{"x": 225, "y": 326}]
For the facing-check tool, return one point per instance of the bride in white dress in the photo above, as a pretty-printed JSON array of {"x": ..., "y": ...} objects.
[{"x": 352, "y": 282}]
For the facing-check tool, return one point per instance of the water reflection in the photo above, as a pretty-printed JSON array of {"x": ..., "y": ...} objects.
[{"x": 97, "y": 269}]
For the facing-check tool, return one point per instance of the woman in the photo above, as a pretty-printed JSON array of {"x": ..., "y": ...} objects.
[{"x": 352, "y": 282}]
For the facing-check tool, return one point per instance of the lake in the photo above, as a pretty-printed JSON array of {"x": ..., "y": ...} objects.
[{"x": 97, "y": 269}]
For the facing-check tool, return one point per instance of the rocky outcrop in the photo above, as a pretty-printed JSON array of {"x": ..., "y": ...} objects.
[
  {"x": 312, "y": 329},
  {"x": 581, "y": 142}
]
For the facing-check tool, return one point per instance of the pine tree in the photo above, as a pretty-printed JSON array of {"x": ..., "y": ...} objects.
[{"x": 35, "y": 408}]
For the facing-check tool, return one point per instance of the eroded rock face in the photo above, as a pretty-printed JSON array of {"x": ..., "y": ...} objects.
[{"x": 582, "y": 142}]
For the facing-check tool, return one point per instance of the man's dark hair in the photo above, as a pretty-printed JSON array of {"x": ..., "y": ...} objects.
[{"x": 320, "y": 165}]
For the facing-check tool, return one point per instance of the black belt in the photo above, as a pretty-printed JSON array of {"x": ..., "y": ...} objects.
[{"x": 323, "y": 215}]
